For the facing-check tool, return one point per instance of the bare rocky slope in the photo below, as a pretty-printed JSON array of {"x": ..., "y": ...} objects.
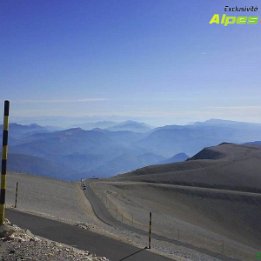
[
  {"x": 212, "y": 200},
  {"x": 19, "y": 244},
  {"x": 227, "y": 166}
]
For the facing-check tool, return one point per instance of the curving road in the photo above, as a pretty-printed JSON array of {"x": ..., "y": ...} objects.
[{"x": 104, "y": 215}]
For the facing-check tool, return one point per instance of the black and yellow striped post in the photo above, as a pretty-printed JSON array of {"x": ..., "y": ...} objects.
[
  {"x": 150, "y": 231},
  {"x": 16, "y": 195},
  {"x": 4, "y": 161}
]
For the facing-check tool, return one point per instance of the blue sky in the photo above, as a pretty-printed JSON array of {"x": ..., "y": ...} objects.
[{"x": 150, "y": 60}]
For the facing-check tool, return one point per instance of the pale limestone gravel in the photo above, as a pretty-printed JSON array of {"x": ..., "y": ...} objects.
[
  {"x": 53, "y": 198},
  {"x": 66, "y": 202},
  {"x": 17, "y": 244}
]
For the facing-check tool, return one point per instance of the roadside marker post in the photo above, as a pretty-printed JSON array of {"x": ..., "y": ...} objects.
[
  {"x": 150, "y": 231},
  {"x": 16, "y": 195},
  {"x": 4, "y": 161}
]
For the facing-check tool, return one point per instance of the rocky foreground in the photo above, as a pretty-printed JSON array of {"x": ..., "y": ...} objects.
[{"x": 18, "y": 244}]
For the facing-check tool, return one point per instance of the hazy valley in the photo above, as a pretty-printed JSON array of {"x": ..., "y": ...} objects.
[{"x": 77, "y": 153}]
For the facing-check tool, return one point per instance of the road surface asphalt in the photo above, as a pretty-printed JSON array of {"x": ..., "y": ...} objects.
[{"x": 82, "y": 239}]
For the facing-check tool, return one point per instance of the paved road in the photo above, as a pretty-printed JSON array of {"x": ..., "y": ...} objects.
[
  {"x": 79, "y": 238},
  {"x": 105, "y": 216}
]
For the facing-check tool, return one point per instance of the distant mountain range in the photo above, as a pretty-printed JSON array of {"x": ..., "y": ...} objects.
[
  {"x": 116, "y": 126},
  {"x": 76, "y": 153},
  {"x": 176, "y": 158},
  {"x": 190, "y": 139},
  {"x": 130, "y": 126}
]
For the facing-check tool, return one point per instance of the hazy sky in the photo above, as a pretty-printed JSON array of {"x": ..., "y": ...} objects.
[{"x": 153, "y": 60}]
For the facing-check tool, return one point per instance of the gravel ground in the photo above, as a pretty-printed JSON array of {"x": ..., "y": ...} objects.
[
  {"x": 53, "y": 198},
  {"x": 66, "y": 202},
  {"x": 183, "y": 217}
]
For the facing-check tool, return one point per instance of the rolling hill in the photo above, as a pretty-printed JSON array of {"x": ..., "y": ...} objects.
[
  {"x": 212, "y": 200},
  {"x": 176, "y": 158},
  {"x": 227, "y": 166}
]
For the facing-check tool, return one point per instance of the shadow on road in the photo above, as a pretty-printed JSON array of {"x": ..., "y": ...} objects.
[{"x": 135, "y": 253}]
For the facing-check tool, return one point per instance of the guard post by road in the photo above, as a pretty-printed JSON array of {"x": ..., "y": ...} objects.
[
  {"x": 4, "y": 161},
  {"x": 150, "y": 231},
  {"x": 16, "y": 195}
]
